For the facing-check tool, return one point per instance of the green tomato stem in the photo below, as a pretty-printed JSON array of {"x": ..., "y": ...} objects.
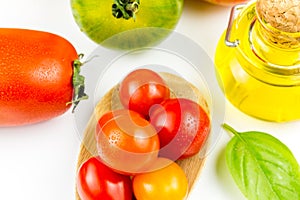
[
  {"x": 78, "y": 84},
  {"x": 125, "y": 8}
]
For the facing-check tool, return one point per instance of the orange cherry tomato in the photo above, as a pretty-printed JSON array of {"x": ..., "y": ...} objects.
[
  {"x": 126, "y": 142},
  {"x": 110, "y": 115},
  {"x": 166, "y": 181}
]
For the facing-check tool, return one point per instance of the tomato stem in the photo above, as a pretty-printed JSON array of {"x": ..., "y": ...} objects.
[
  {"x": 125, "y": 8},
  {"x": 78, "y": 84}
]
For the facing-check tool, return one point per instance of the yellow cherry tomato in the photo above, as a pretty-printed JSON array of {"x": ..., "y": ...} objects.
[{"x": 166, "y": 181}]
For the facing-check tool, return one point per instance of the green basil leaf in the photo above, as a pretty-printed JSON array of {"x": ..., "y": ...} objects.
[{"x": 262, "y": 166}]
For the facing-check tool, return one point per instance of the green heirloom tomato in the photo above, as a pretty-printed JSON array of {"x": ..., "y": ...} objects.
[{"x": 126, "y": 24}]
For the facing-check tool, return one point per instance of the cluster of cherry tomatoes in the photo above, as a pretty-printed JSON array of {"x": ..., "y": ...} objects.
[{"x": 138, "y": 145}]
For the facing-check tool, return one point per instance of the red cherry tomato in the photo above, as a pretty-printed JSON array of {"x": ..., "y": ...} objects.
[
  {"x": 182, "y": 126},
  {"x": 141, "y": 89},
  {"x": 166, "y": 181},
  {"x": 97, "y": 181},
  {"x": 127, "y": 142}
]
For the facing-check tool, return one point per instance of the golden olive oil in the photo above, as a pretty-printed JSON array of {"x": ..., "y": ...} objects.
[{"x": 259, "y": 76}]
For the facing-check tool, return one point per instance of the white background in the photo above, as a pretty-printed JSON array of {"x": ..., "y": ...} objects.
[{"x": 38, "y": 162}]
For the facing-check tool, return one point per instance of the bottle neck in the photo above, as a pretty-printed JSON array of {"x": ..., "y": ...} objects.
[
  {"x": 262, "y": 56},
  {"x": 273, "y": 46}
]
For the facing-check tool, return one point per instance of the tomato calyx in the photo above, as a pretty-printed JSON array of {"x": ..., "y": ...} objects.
[
  {"x": 78, "y": 83},
  {"x": 125, "y": 8}
]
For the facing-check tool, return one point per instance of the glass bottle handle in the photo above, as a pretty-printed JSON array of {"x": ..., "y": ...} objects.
[{"x": 234, "y": 11}]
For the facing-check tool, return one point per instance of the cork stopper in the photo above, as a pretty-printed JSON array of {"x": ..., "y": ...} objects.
[
  {"x": 282, "y": 19},
  {"x": 283, "y": 15}
]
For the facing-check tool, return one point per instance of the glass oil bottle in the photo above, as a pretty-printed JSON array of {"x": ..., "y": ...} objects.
[{"x": 258, "y": 62}]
